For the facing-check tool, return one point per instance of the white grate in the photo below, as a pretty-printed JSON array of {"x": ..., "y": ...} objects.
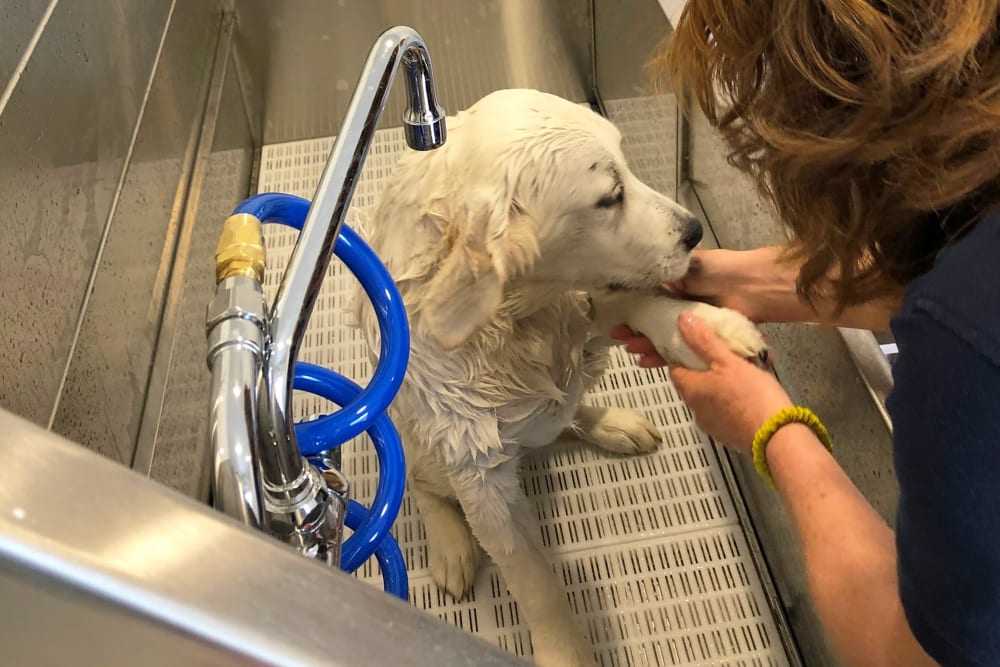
[{"x": 648, "y": 548}]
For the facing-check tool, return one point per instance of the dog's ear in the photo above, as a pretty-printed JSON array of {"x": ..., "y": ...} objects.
[{"x": 486, "y": 242}]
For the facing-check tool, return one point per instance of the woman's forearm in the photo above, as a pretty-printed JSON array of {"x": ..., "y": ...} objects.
[
  {"x": 850, "y": 554},
  {"x": 760, "y": 284}
]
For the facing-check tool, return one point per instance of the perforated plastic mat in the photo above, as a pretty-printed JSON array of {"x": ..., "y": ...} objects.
[{"x": 648, "y": 548}]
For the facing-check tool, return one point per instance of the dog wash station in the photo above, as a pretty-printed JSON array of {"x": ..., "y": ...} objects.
[{"x": 254, "y": 511}]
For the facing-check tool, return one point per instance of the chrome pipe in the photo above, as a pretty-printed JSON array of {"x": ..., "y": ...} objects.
[
  {"x": 236, "y": 327},
  {"x": 314, "y": 523},
  {"x": 286, "y": 476}
]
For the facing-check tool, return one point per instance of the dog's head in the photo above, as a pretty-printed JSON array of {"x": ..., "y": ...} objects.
[{"x": 533, "y": 188}]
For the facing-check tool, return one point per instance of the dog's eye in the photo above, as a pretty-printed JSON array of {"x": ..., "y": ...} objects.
[{"x": 613, "y": 199}]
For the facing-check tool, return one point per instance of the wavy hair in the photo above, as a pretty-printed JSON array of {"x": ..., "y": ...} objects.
[{"x": 872, "y": 126}]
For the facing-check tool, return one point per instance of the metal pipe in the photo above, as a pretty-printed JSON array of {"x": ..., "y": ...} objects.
[
  {"x": 236, "y": 341},
  {"x": 236, "y": 324},
  {"x": 235, "y": 486},
  {"x": 285, "y": 474}
]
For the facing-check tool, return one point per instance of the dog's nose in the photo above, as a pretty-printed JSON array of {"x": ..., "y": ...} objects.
[{"x": 693, "y": 233}]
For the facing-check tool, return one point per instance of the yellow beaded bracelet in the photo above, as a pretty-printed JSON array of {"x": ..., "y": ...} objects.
[{"x": 793, "y": 415}]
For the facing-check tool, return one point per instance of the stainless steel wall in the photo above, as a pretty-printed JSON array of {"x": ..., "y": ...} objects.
[
  {"x": 304, "y": 56},
  {"x": 90, "y": 193},
  {"x": 173, "y": 444},
  {"x": 65, "y": 132}
]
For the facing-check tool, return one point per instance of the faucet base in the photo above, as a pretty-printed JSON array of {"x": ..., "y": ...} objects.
[{"x": 312, "y": 523}]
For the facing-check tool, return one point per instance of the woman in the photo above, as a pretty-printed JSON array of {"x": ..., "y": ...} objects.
[{"x": 874, "y": 129}]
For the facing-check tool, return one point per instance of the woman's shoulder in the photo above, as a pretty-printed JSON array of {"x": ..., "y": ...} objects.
[
  {"x": 946, "y": 429},
  {"x": 962, "y": 291}
]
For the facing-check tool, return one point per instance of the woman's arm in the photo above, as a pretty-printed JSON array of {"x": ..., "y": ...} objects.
[
  {"x": 850, "y": 553},
  {"x": 762, "y": 286}
]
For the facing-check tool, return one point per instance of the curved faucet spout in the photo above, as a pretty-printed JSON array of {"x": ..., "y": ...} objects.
[
  {"x": 424, "y": 122},
  {"x": 423, "y": 118}
]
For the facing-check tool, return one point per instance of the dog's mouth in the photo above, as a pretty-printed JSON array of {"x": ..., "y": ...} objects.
[
  {"x": 644, "y": 284},
  {"x": 656, "y": 280},
  {"x": 644, "y": 288}
]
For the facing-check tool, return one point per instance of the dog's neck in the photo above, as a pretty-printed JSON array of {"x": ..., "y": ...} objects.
[
  {"x": 523, "y": 298},
  {"x": 533, "y": 314}
]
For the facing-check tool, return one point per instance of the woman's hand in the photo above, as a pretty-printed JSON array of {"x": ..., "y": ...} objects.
[
  {"x": 637, "y": 344},
  {"x": 761, "y": 285},
  {"x": 732, "y": 399},
  {"x": 731, "y": 279}
]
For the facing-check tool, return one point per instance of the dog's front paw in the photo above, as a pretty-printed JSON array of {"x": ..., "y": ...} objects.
[
  {"x": 656, "y": 318},
  {"x": 735, "y": 330},
  {"x": 618, "y": 430}
]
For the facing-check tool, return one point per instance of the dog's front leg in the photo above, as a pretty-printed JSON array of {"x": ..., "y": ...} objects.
[
  {"x": 655, "y": 316},
  {"x": 501, "y": 519}
]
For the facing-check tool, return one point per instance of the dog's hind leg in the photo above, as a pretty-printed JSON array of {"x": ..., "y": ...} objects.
[
  {"x": 452, "y": 552},
  {"x": 501, "y": 518},
  {"x": 612, "y": 429}
]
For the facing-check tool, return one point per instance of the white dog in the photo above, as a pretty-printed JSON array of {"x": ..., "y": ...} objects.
[{"x": 504, "y": 244}]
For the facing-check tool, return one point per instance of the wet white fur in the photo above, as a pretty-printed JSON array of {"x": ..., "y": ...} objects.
[{"x": 495, "y": 241}]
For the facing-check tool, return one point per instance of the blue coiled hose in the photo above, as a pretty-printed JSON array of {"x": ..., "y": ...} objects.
[
  {"x": 394, "y": 352},
  {"x": 335, "y": 387},
  {"x": 363, "y": 410},
  {"x": 391, "y": 563}
]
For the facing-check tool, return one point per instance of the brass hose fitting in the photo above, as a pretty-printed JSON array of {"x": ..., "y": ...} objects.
[{"x": 240, "y": 251}]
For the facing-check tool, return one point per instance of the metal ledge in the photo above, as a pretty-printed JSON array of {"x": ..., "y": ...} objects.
[
  {"x": 99, "y": 565},
  {"x": 873, "y": 364}
]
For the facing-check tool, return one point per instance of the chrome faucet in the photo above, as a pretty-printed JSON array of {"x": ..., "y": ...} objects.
[{"x": 289, "y": 498}]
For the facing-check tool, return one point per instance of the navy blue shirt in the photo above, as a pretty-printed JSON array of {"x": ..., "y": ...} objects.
[{"x": 945, "y": 408}]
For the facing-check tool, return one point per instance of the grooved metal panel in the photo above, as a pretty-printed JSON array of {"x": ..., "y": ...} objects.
[
  {"x": 19, "y": 19},
  {"x": 649, "y": 549},
  {"x": 102, "y": 401},
  {"x": 304, "y": 56},
  {"x": 64, "y": 136},
  {"x": 649, "y": 126}
]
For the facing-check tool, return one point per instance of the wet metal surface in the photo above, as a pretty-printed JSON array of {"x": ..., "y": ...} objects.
[
  {"x": 102, "y": 402},
  {"x": 305, "y": 55},
  {"x": 173, "y": 443},
  {"x": 64, "y": 134},
  {"x": 19, "y": 19}
]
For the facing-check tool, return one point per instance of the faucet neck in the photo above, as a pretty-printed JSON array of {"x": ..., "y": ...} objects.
[{"x": 299, "y": 288}]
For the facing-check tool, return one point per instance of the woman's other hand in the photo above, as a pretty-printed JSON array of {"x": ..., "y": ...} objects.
[
  {"x": 715, "y": 277},
  {"x": 761, "y": 284},
  {"x": 637, "y": 344},
  {"x": 732, "y": 399},
  {"x": 752, "y": 282}
]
